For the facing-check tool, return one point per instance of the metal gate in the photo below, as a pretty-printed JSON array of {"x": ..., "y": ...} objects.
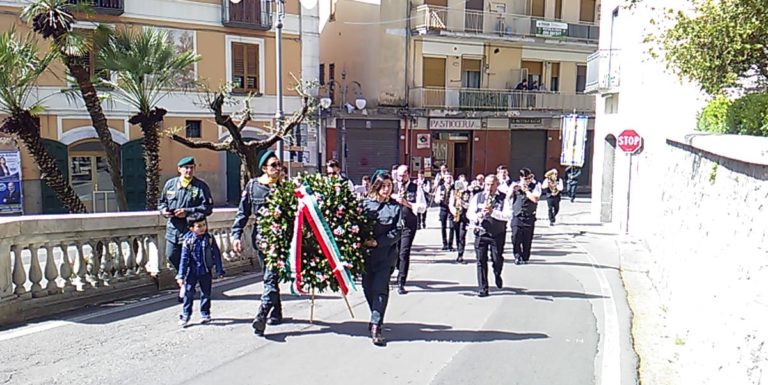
[
  {"x": 528, "y": 149},
  {"x": 371, "y": 145}
]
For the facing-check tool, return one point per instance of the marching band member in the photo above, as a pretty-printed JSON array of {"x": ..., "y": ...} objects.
[
  {"x": 411, "y": 197},
  {"x": 426, "y": 187},
  {"x": 525, "y": 198},
  {"x": 458, "y": 205},
  {"x": 550, "y": 190},
  {"x": 442, "y": 198}
]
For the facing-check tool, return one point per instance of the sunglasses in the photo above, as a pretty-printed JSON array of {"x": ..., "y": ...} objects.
[{"x": 273, "y": 165}]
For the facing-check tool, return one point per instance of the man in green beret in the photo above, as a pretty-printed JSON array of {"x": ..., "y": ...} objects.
[
  {"x": 254, "y": 197},
  {"x": 181, "y": 196}
]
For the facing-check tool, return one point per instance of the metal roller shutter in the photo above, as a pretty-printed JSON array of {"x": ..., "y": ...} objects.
[
  {"x": 528, "y": 149},
  {"x": 371, "y": 144}
]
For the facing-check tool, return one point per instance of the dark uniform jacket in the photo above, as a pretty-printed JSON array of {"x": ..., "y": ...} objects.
[
  {"x": 386, "y": 232},
  {"x": 196, "y": 198},
  {"x": 253, "y": 199}
]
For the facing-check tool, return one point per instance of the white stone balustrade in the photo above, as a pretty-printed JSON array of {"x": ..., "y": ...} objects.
[{"x": 53, "y": 263}]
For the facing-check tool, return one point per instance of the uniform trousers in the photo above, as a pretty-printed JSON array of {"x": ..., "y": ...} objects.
[
  {"x": 446, "y": 226},
  {"x": 173, "y": 253},
  {"x": 522, "y": 238},
  {"x": 553, "y": 206},
  {"x": 270, "y": 297},
  {"x": 460, "y": 231},
  {"x": 404, "y": 259},
  {"x": 485, "y": 243}
]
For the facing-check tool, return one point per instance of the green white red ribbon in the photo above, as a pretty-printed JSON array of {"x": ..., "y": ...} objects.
[{"x": 309, "y": 210}]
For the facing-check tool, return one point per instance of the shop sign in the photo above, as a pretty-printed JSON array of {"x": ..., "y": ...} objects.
[
  {"x": 551, "y": 29},
  {"x": 423, "y": 141},
  {"x": 454, "y": 124},
  {"x": 525, "y": 122}
]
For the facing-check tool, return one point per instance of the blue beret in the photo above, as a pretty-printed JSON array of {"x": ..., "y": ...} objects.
[
  {"x": 187, "y": 160},
  {"x": 265, "y": 157}
]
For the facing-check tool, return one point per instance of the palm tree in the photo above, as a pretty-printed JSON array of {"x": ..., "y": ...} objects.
[
  {"x": 20, "y": 66},
  {"x": 147, "y": 67},
  {"x": 53, "y": 20}
]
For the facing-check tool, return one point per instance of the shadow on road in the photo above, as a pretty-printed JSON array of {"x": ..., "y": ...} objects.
[
  {"x": 540, "y": 262},
  {"x": 408, "y": 332}
]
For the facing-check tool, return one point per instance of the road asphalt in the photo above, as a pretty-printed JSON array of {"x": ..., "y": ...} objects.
[{"x": 562, "y": 319}]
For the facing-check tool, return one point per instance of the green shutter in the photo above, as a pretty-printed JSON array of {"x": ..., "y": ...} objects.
[
  {"x": 51, "y": 203},
  {"x": 134, "y": 174}
]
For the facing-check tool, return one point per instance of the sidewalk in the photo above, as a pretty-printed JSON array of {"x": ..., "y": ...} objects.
[{"x": 657, "y": 351}]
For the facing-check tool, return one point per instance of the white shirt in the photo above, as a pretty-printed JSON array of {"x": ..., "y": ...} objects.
[
  {"x": 475, "y": 217},
  {"x": 420, "y": 206}
]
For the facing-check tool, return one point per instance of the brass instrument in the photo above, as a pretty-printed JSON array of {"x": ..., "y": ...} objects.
[
  {"x": 551, "y": 176},
  {"x": 458, "y": 205}
]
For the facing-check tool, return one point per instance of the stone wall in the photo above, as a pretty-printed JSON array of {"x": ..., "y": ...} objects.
[{"x": 709, "y": 245}]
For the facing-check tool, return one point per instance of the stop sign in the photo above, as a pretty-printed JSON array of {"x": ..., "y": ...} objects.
[{"x": 629, "y": 141}]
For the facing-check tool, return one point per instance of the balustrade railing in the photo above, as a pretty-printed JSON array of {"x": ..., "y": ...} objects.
[
  {"x": 477, "y": 99},
  {"x": 91, "y": 254}
]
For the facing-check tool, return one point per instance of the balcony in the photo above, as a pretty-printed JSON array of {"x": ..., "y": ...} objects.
[
  {"x": 251, "y": 14},
  {"x": 107, "y": 7},
  {"x": 429, "y": 19},
  {"x": 603, "y": 72},
  {"x": 475, "y": 99}
]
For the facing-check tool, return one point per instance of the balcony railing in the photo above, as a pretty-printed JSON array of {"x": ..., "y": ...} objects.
[
  {"x": 498, "y": 100},
  {"x": 435, "y": 19},
  {"x": 603, "y": 72},
  {"x": 251, "y": 14},
  {"x": 108, "y": 7}
]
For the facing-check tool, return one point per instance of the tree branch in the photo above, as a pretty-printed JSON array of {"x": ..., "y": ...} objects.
[
  {"x": 222, "y": 146},
  {"x": 296, "y": 119}
]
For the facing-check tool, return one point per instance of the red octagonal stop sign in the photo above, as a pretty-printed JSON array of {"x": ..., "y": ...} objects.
[{"x": 629, "y": 141}]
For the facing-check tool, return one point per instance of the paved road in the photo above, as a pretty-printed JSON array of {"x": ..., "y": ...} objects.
[{"x": 562, "y": 319}]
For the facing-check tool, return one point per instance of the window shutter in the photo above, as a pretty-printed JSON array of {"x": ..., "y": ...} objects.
[
  {"x": 238, "y": 65},
  {"x": 252, "y": 67}
]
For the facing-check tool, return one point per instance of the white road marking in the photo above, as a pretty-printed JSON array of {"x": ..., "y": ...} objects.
[
  {"x": 48, "y": 325},
  {"x": 611, "y": 353}
]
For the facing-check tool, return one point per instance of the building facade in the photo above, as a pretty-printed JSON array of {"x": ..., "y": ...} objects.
[
  {"x": 634, "y": 91},
  {"x": 236, "y": 41},
  {"x": 452, "y": 73}
]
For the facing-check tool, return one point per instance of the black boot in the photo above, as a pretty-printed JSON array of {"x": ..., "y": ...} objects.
[
  {"x": 460, "y": 259},
  {"x": 276, "y": 317},
  {"x": 260, "y": 322}
]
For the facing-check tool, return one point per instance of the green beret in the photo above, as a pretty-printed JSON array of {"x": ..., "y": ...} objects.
[
  {"x": 265, "y": 157},
  {"x": 187, "y": 160}
]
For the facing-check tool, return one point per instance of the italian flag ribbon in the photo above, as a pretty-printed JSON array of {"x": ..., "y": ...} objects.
[{"x": 310, "y": 211}]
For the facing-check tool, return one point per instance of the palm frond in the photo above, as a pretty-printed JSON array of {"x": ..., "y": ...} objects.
[
  {"x": 50, "y": 18},
  {"x": 146, "y": 63},
  {"x": 20, "y": 67}
]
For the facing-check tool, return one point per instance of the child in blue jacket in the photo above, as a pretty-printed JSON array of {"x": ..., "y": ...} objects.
[{"x": 199, "y": 255}]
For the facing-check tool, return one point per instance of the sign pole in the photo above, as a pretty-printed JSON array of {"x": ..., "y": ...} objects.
[{"x": 629, "y": 191}]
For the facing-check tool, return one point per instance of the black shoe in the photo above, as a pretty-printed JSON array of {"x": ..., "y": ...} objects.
[
  {"x": 274, "y": 320},
  {"x": 401, "y": 290},
  {"x": 444, "y": 248},
  {"x": 460, "y": 259},
  {"x": 376, "y": 337},
  {"x": 518, "y": 261},
  {"x": 260, "y": 322},
  {"x": 450, "y": 248},
  {"x": 482, "y": 293},
  {"x": 499, "y": 281},
  {"x": 551, "y": 223}
]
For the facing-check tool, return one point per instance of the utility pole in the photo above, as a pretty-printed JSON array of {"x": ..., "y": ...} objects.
[{"x": 279, "y": 114}]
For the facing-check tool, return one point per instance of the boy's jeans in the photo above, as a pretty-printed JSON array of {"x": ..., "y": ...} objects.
[{"x": 189, "y": 294}]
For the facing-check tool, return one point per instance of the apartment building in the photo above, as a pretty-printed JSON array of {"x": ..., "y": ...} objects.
[
  {"x": 236, "y": 40},
  {"x": 447, "y": 77}
]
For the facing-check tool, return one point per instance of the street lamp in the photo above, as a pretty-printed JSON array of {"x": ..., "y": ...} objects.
[
  {"x": 279, "y": 115},
  {"x": 360, "y": 104}
]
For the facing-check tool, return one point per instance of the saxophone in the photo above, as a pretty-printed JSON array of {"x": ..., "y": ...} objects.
[{"x": 458, "y": 204}]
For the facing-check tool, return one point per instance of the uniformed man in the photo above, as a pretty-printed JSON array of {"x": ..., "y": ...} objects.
[
  {"x": 333, "y": 168},
  {"x": 458, "y": 205},
  {"x": 572, "y": 174},
  {"x": 525, "y": 198},
  {"x": 181, "y": 196},
  {"x": 442, "y": 199},
  {"x": 426, "y": 187},
  {"x": 253, "y": 199},
  {"x": 411, "y": 197},
  {"x": 488, "y": 214}
]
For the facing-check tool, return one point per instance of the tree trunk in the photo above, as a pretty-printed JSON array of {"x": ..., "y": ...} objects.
[
  {"x": 93, "y": 105},
  {"x": 28, "y": 130},
  {"x": 150, "y": 126},
  {"x": 249, "y": 164}
]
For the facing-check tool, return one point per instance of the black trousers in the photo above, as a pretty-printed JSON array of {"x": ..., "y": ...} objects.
[
  {"x": 422, "y": 220},
  {"x": 485, "y": 243},
  {"x": 522, "y": 238},
  {"x": 446, "y": 226},
  {"x": 460, "y": 232},
  {"x": 553, "y": 204},
  {"x": 376, "y": 289},
  {"x": 404, "y": 259},
  {"x": 173, "y": 253}
]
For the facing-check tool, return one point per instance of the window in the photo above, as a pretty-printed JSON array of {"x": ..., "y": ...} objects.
[
  {"x": 470, "y": 73},
  {"x": 581, "y": 79},
  {"x": 245, "y": 67},
  {"x": 194, "y": 129},
  {"x": 537, "y": 8},
  {"x": 554, "y": 77},
  {"x": 558, "y": 9},
  {"x": 322, "y": 74},
  {"x": 331, "y": 78},
  {"x": 587, "y": 12}
]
